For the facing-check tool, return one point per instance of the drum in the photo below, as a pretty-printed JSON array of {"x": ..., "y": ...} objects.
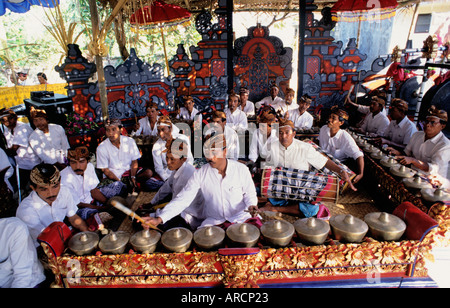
[{"x": 294, "y": 184}]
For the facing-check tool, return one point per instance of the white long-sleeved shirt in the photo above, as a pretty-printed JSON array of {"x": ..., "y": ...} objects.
[
  {"x": 19, "y": 264},
  {"x": 51, "y": 147},
  {"x": 249, "y": 109},
  {"x": 434, "y": 151},
  {"x": 226, "y": 198},
  {"x": 340, "y": 146},
  {"x": 400, "y": 133},
  {"x": 258, "y": 143},
  {"x": 375, "y": 124},
  {"x": 145, "y": 129},
  {"x": 268, "y": 101},
  {"x": 231, "y": 138},
  {"x": 25, "y": 158},
  {"x": 237, "y": 120},
  {"x": 304, "y": 120},
  {"x": 186, "y": 115},
  {"x": 282, "y": 107},
  {"x": 4, "y": 163},
  {"x": 159, "y": 156},
  {"x": 193, "y": 214}
]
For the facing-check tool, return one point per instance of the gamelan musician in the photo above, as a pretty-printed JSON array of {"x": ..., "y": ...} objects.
[
  {"x": 289, "y": 152},
  {"x": 192, "y": 216},
  {"x": 339, "y": 143},
  {"x": 428, "y": 150},
  {"x": 226, "y": 185}
]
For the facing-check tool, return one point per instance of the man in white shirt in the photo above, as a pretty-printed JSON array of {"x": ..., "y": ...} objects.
[
  {"x": 81, "y": 179},
  {"x": 147, "y": 125},
  {"x": 271, "y": 100},
  {"x": 226, "y": 185},
  {"x": 166, "y": 132},
  {"x": 285, "y": 107},
  {"x": 375, "y": 123},
  {"x": 262, "y": 136},
  {"x": 189, "y": 112},
  {"x": 192, "y": 216},
  {"x": 339, "y": 143},
  {"x": 288, "y": 152},
  {"x": 16, "y": 135},
  {"x": 19, "y": 263},
  {"x": 246, "y": 106},
  {"x": 428, "y": 150},
  {"x": 48, "y": 141},
  {"x": 301, "y": 117},
  {"x": 117, "y": 157},
  {"x": 48, "y": 202},
  {"x": 400, "y": 129},
  {"x": 219, "y": 126},
  {"x": 236, "y": 118}
]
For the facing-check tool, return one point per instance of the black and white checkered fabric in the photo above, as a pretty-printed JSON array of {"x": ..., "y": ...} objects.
[{"x": 294, "y": 184}]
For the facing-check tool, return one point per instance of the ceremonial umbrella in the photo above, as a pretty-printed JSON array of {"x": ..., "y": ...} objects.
[
  {"x": 363, "y": 10},
  {"x": 22, "y": 6},
  {"x": 160, "y": 16}
]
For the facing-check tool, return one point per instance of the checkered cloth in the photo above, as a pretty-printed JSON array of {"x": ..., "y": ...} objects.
[{"x": 295, "y": 184}]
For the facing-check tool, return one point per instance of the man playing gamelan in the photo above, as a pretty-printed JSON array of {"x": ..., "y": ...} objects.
[
  {"x": 176, "y": 155},
  {"x": 82, "y": 181},
  {"x": 246, "y": 106},
  {"x": 301, "y": 117},
  {"x": 147, "y": 125},
  {"x": 236, "y": 118},
  {"x": 286, "y": 106},
  {"x": 428, "y": 150},
  {"x": 166, "y": 132},
  {"x": 189, "y": 112},
  {"x": 272, "y": 100},
  {"x": 226, "y": 185},
  {"x": 263, "y": 135},
  {"x": 375, "y": 123},
  {"x": 48, "y": 141},
  {"x": 400, "y": 129},
  {"x": 338, "y": 142},
  {"x": 219, "y": 126},
  {"x": 117, "y": 157},
  {"x": 292, "y": 153},
  {"x": 48, "y": 202}
]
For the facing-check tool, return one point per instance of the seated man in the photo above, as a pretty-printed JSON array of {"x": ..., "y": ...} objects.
[
  {"x": 219, "y": 126},
  {"x": 166, "y": 132},
  {"x": 262, "y": 136},
  {"x": 428, "y": 150},
  {"x": 189, "y": 112},
  {"x": 192, "y": 216},
  {"x": 246, "y": 106},
  {"x": 48, "y": 141},
  {"x": 226, "y": 185},
  {"x": 400, "y": 129},
  {"x": 375, "y": 123},
  {"x": 339, "y": 143},
  {"x": 16, "y": 135},
  {"x": 301, "y": 117},
  {"x": 20, "y": 266},
  {"x": 288, "y": 152},
  {"x": 272, "y": 100},
  {"x": 147, "y": 125},
  {"x": 236, "y": 118},
  {"x": 285, "y": 107},
  {"x": 82, "y": 181},
  {"x": 48, "y": 202},
  {"x": 117, "y": 158}
]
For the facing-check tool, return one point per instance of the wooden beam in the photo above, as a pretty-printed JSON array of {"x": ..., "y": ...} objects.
[{"x": 301, "y": 47}]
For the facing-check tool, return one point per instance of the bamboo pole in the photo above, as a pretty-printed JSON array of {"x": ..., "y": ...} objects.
[{"x": 99, "y": 60}]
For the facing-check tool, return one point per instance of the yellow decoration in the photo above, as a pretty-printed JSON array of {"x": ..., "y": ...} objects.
[{"x": 13, "y": 96}]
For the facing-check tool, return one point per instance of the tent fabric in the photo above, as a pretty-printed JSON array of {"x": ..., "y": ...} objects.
[{"x": 22, "y": 6}]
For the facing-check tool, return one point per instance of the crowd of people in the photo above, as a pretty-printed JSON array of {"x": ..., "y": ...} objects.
[{"x": 60, "y": 183}]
